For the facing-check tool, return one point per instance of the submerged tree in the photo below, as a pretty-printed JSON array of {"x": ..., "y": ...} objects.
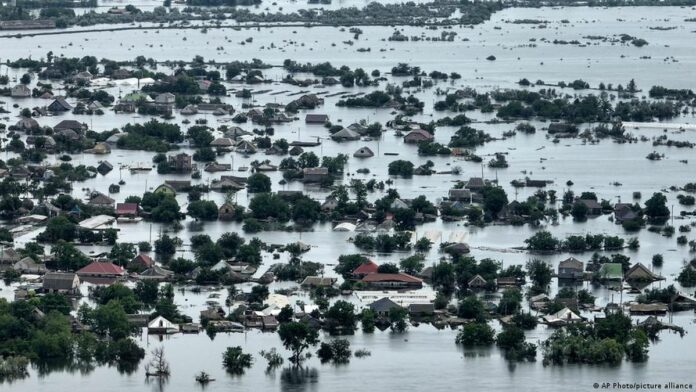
[{"x": 158, "y": 366}]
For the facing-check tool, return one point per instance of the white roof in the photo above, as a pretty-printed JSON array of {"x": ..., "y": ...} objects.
[
  {"x": 97, "y": 222},
  {"x": 345, "y": 226},
  {"x": 277, "y": 300},
  {"x": 164, "y": 323},
  {"x": 402, "y": 298}
]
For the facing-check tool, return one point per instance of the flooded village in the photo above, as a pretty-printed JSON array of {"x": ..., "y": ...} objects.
[{"x": 253, "y": 195}]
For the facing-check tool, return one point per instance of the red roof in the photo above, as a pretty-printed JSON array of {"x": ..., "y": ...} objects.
[
  {"x": 127, "y": 208},
  {"x": 366, "y": 268},
  {"x": 143, "y": 259},
  {"x": 400, "y": 277},
  {"x": 101, "y": 268}
]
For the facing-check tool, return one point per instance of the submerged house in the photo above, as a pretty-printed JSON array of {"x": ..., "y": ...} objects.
[
  {"x": 641, "y": 273},
  {"x": 59, "y": 105},
  {"x": 570, "y": 268}
]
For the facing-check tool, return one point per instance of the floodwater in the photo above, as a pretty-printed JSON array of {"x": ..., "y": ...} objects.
[{"x": 423, "y": 357}]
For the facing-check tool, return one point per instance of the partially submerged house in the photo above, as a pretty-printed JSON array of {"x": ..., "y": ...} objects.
[
  {"x": 161, "y": 325},
  {"x": 383, "y": 306},
  {"x": 100, "y": 269},
  {"x": 391, "y": 281},
  {"x": 60, "y": 282}
]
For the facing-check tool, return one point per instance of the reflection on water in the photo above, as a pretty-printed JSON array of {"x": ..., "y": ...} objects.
[{"x": 298, "y": 378}]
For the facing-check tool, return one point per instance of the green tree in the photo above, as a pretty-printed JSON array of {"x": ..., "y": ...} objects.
[
  {"x": 297, "y": 337},
  {"x": 235, "y": 360},
  {"x": 258, "y": 183}
]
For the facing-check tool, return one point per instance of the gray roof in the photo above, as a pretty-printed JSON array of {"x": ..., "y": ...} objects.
[
  {"x": 383, "y": 305},
  {"x": 59, "y": 281}
]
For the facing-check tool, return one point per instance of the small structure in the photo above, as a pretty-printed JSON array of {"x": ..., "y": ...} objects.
[
  {"x": 269, "y": 322},
  {"x": 141, "y": 261},
  {"x": 127, "y": 210},
  {"x": 463, "y": 195},
  {"x": 645, "y": 309},
  {"x": 570, "y": 268},
  {"x": 104, "y": 168},
  {"x": 20, "y": 91},
  {"x": 593, "y": 207},
  {"x": 363, "y": 152},
  {"x": 28, "y": 266},
  {"x": 315, "y": 174},
  {"x": 318, "y": 281},
  {"x": 345, "y": 134},
  {"x": 180, "y": 163},
  {"x": 417, "y": 136},
  {"x": 101, "y": 200},
  {"x": 165, "y": 99},
  {"x": 226, "y": 211},
  {"x": 316, "y": 119},
  {"x": 222, "y": 142},
  {"x": 564, "y": 316},
  {"x": 624, "y": 212},
  {"x": 421, "y": 310},
  {"x": 71, "y": 125},
  {"x": 161, "y": 325},
  {"x": 61, "y": 282},
  {"x": 477, "y": 282},
  {"x": 156, "y": 273},
  {"x": 166, "y": 189}
]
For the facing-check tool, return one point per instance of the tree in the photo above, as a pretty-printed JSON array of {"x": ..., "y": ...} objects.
[
  {"x": 147, "y": 291},
  {"x": 413, "y": 264},
  {"x": 656, "y": 208},
  {"x": 68, "y": 258},
  {"x": 165, "y": 247},
  {"x": 471, "y": 308},
  {"x": 235, "y": 360},
  {"x": 258, "y": 183},
  {"x": 494, "y": 199},
  {"x": 25, "y": 79},
  {"x": 401, "y": 168},
  {"x": 542, "y": 241},
  {"x": 510, "y": 337},
  {"x": 348, "y": 263},
  {"x": 203, "y": 209},
  {"x": 539, "y": 272},
  {"x": 367, "y": 320},
  {"x": 397, "y": 318},
  {"x": 336, "y": 351},
  {"x": 341, "y": 317},
  {"x": 579, "y": 211},
  {"x": 297, "y": 337},
  {"x": 122, "y": 253},
  {"x": 476, "y": 334},
  {"x": 388, "y": 268}
]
